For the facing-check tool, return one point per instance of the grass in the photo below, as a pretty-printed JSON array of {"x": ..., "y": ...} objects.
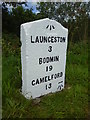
[{"x": 72, "y": 102}]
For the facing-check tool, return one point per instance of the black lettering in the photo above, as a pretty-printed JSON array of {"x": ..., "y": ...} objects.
[
  {"x": 55, "y": 39},
  {"x": 31, "y": 40},
  {"x": 46, "y": 68},
  {"x": 49, "y": 85},
  {"x": 37, "y": 39},
  {"x": 50, "y": 67},
  {"x": 58, "y": 75},
  {"x": 51, "y": 59},
  {"x": 61, "y": 74},
  {"x": 52, "y": 39},
  {"x": 52, "y": 76},
  {"x": 55, "y": 76},
  {"x": 45, "y": 78},
  {"x": 47, "y": 60},
  {"x": 56, "y": 58},
  {"x": 37, "y": 81},
  {"x": 49, "y": 78},
  {"x": 41, "y": 80},
  {"x": 58, "y": 38},
  {"x": 33, "y": 82},
  {"x": 49, "y": 48},
  {"x": 44, "y": 60},
  {"x": 41, "y": 39},
  {"x": 45, "y": 39},
  {"x": 49, "y": 38},
  {"x": 64, "y": 38},
  {"x": 40, "y": 60}
]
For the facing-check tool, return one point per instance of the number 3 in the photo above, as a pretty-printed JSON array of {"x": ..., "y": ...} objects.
[{"x": 49, "y": 48}]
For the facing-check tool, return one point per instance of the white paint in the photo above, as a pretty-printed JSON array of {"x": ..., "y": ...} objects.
[{"x": 31, "y": 52}]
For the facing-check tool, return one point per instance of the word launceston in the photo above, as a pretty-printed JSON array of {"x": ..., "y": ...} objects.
[
  {"x": 47, "y": 39},
  {"x": 46, "y": 78}
]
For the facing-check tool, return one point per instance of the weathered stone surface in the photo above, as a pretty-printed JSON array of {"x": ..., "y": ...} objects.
[{"x": 43, "y": 55}]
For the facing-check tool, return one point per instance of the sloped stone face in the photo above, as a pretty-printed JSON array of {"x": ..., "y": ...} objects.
[{"x": 43, "y": 57}]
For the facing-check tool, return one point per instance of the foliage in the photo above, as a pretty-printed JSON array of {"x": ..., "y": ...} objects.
[
  {"x": 10, "y": 44},
  {"x": 13, "y": 20},
  {"x": 74, "y": 16}
]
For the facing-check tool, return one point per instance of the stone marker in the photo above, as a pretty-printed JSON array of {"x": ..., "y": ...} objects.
[{"x": 43, "y": 57}]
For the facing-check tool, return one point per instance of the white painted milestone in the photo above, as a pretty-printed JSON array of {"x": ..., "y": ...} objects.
[{"x": 43, "y": 57}]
